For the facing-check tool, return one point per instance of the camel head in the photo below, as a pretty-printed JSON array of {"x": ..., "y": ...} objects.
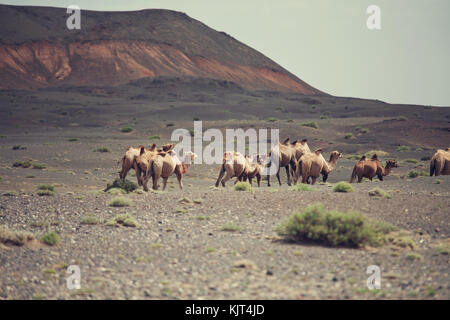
[
  {"x": 374, "y": 157},
  {"x": 391, "y": 164},
  {"x": 285, "y": 142},
  {"x": 189, "y": 157},
  {"x": 153, "y": 147},
  {"x": 228, "y": 156},
  {"x": 335, "y": 155}
]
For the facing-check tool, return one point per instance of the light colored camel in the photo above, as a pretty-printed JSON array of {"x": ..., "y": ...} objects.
[
  {"x": 369, "y": 168},
  {"x": 127, "y": 161},
  {"x": 285, "y": 152},
  {"x": 254, "y": 168},
  {"x": 312, "y": 164},
  {"x": 172, "y": 164},
  {"x": 440, "y": 163},
  {"x": 301, "y": 147},
  {"x": 233, "y": 165},
  {"x": 148, "y": 164}
]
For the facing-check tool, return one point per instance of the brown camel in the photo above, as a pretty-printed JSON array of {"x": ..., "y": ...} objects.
[
  {"x": 233, "y": 165},
  {"x": 440, "y": 163},
  {"x": 312, "y": 164},
  {"x": 301, "y": 147},
  {"x": 285, "y": 152},
  {"x": 368, "y": 168},
  {"x": 172, "y": 164}
]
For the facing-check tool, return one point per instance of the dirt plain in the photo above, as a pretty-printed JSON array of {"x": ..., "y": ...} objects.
[{"x": 179, "y": 250}]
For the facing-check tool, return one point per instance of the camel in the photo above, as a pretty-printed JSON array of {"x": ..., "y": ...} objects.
[
  {"x": 172, "y": 164},
  {"x": 233, "y": 165},
  {"x": 368, "y": 168},
  {"x": 149, "y": 163},
  {"x": 286, "y": 157},
  {"x": 301, "y": 147},
  {"x": 127, "y": 161},
  {"x": 312, "y": 164},
  {"x": 440, "y": 163},
  {"x": 254, "y": 169}
]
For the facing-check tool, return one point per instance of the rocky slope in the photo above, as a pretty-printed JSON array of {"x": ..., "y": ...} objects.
[{"x": 37, "y": 50}]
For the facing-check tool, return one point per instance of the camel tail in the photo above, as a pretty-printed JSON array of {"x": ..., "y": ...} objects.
[{"x": 353, "y": 175}]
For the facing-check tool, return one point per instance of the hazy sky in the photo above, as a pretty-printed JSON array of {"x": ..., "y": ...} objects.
[{"x": 327, "y": 43}]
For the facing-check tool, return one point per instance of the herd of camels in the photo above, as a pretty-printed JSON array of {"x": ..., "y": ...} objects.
[{"x": 295, "y": 157}]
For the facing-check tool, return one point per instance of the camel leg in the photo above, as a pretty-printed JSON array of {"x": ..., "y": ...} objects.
[
  {"x": 180, "y": 183},
  {"x": 250, "y": 180},
  {"x": 258, "y": 179},
  {"x": 164, "y": 183},
  {"x": 144, "y": 179},
  {"x": 325, "y": 177},
  {"x": 288, "y": 175},
  {"x": 221, "y": 173},
  {"x": 155, "y": 178},
  {"x": 228, "y": 176},
  {"x": 278, "y": 176},
  {"x": 313, "y": 180}
]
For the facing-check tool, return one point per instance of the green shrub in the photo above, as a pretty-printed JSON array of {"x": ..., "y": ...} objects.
[
  {"x": 90, "y": 219},
  {"x": 272, "y": 119},
  {"x": 415, "y": 174},
  {"x": 27, "y": 164},
  {"x": 379, "y": 153},
  {"x": 415, "y": 161},
  {"x": 17, "y": 147},
  {"x": 73, "y": 139},
  {"x": 402, "y": 118},
  {"x": 125, "y": 219},
  {"x": 170, "y": 124},
  {"x": 403, "y": 148},
  {"x": 323, "y": 117},
  {"x": 45, "y": 193},
  {"x": 154, "y": 137},
  {"x": 51, "y": 238},
  {"x": 39, "y": 166},
  {"x": 102, "y": 149},
  {"x": 125, "y": 185},
  {"x": 242, "y": 186},
  {"x": 348, "y": 135},
  {"x": 301, "y": 187},
  {"x": 10, "y": 194},
  {"x": 127, "y": 129},
  {"x": 332, "y": 228},
  {"x": 378, "y": 192},
  {"x": 17, "y": 164},
  {"x": 230, "y": 226},
  {"x": 343, "y": 187},
  {"x": 46, "y": 187},
  {"x": 120, "y": 202},
  {"x": 311, "y": 124}
]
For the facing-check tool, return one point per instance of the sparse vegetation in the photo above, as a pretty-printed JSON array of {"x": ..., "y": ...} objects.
[
  {"x": 46, "y": 187},
  {"x": 230, "y": 226},
  {"x": 413, "y": 256},
  {"x": 414, "y": 161},
  {"x": 402, "y": 118},
  {"x": 378, "y": 192},
  {"x": 332, "y": 228},
  {"x": 45, "y": 193},
  {"x": 242, "y": 186},
  {"x": 89, "y": 219},
  {"x": 73, "y": 139},
  {"x": 125, "y": 185},
  {"x": 301, "y": 187},
  {"x": 13, "y": 237},
  {"x": 126, "y": 129},
  {"x": 403, "y": 148},
  {"x": 272, "y": 119},
  {"x": 102, "y": 149},
  {"x": 10, "y": 194},
  {"x": 154, "y": 137},
  {"x": 39, "y": 166},
  {"x": 311, "y": 124},
  {"x": 120, "y": 202},
  {"x": 379, "y": 153},
  {"x": 342, "y": 187},
  {"x": 415, "y": 174},
  {"x": 348, "y": 135},
  {"x": 124, "y": 219},
  {"x": 51, "y": 238}
]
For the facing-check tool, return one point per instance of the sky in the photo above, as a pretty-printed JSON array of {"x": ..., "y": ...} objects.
[{"x": 327, "y": 44}]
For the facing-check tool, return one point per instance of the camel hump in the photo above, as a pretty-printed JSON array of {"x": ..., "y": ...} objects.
[
  {"x": 374, "y": 157},
  {"x": 304, "y": 140},
  {"x": 286, "y": 141},
  {"x": 153, "y": 147},
  {"x": 318, "y": 151},
  {"x": 294, "y": 143},
  {"x": 142, "y": 150},
  {"x": 362, "y": 158}
]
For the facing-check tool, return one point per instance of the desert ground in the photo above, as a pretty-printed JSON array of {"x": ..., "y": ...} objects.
[{"x": 181, "y": 247}]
